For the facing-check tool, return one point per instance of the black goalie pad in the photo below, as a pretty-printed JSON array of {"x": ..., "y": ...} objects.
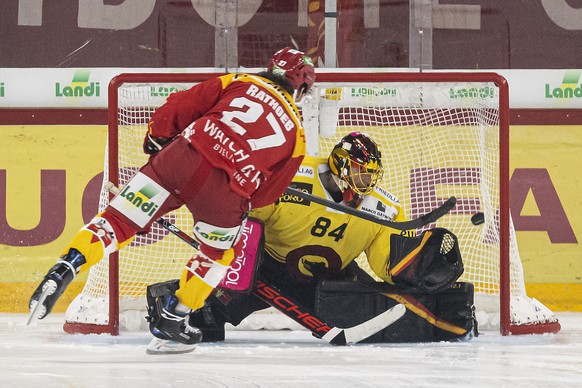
[{"x": 434, "y": 317}]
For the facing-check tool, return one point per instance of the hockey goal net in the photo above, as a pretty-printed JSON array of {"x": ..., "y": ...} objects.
[{"x": 441, "y": 135}]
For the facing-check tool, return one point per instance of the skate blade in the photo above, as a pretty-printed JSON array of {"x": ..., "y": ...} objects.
[
  {"x": 39, "y": 310},
  {"x": 160, "y": 346}
]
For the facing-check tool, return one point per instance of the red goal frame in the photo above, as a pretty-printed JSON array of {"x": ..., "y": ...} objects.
[{"x": 504, "y": 224}]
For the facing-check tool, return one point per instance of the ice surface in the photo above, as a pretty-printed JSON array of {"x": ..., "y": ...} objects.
[{"x": 43, "y": 356}]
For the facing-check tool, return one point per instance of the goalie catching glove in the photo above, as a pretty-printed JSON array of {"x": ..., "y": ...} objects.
[{"x": 430, "y": 262}]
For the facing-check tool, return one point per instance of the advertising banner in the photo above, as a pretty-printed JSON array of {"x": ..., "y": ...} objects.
[{"x": 87, "y": 88}]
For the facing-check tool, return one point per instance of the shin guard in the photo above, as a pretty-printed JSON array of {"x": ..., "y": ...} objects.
[
  {"x": 200, "y": 277},
  {"x": 95, "y": 240}
]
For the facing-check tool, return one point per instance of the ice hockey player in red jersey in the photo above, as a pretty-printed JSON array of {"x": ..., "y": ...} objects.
[{"x": 224, "y": 146}]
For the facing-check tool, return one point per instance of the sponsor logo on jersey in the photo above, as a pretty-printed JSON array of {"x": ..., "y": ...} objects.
[
  {"x": 387, "y": 195},
  {"x": 216, "y": 237},
  {"x": 246, "y": 174},
  {"x": 306, "y": 171},
  {"x": 381, "y": 207},
  {"x": 375, "y": 213},
  {"x": 140, "y": 199},
  {"x": 79, "y": 86},
  {"x": 290, "y": 198},
  {"x": 1, "y": 89},
  {"x": 377, "y": 208}
]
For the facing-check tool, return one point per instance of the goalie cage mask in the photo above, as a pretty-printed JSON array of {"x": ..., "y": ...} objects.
[
  {"x": 356, "y": 161},
  {"x": 296, "y": 67}
]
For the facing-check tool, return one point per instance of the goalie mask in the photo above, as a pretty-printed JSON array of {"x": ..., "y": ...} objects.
[
  {"x": 296, "y": 67},
  {"x": 356, "y": 161}
]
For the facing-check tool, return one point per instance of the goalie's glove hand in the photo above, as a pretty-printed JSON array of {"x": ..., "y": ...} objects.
[
  {"x": 430, "y": 262},
  {"x": 152, "y": 145}
]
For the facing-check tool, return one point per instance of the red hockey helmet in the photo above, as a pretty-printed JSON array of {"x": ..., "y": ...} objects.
[
  {"x": 356, "y": 161},
  {"x": 296, "y": 67}
]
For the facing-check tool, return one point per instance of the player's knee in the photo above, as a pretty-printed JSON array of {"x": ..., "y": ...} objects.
[
  {"x": 123, "y": 233},
  {"x": 97, "y": 240}
]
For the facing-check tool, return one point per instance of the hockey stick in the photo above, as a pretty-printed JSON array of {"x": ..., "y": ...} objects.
[
  {"x": 404, "y": 225},
  {"x": 271, "y": 295}
]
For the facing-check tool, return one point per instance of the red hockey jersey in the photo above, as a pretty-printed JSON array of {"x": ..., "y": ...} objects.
[{"x": 244, "y": 124}]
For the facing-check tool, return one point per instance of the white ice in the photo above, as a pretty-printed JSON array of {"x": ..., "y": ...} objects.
[{"x": 43, "y": 356}]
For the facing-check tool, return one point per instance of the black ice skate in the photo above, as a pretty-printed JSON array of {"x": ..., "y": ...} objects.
[
  {"x": 54, "y": 284},
  {"x": 172, "y": 329}
]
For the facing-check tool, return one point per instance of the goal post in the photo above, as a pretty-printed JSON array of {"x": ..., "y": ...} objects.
[{"x": 441, "y": 134}]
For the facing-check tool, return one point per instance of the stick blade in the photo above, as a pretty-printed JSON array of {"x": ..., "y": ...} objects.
[{"x": 355, "y": 334}]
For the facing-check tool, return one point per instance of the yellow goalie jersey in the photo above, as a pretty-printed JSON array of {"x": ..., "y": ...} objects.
[{"x": 303, "y": 234}]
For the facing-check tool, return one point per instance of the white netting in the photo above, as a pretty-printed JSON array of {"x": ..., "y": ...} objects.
[{"x": 438, "y": 139}]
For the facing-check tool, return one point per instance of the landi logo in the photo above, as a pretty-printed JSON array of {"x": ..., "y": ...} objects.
[
  {"x": 1, "y": 89},
  {"x": 570, "y": 87},
  {"x": 472, "y": 92},
  {"x": 141, "y": 199},
  {"x": 216, "y": 235},
  {"x": 79, "y": 87},
  {"x": 163, "y": 91}
]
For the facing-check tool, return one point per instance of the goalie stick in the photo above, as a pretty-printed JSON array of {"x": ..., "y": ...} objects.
[
  {"x": 271, "y": 295},
  {"x": 404, "y": 225}
]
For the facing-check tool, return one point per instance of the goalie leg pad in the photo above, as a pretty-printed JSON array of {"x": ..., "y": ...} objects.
[
  {"x": 210, "y": 322},
  {"x": 165, "y": 321},
  {"x": 430, "y": 262},
  {"x": 444, "y": 316}
]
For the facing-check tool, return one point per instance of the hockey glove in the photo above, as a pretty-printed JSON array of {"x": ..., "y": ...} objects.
[
  {"x": 152, "y": 145},
  {"x": 430, "y": 262}
]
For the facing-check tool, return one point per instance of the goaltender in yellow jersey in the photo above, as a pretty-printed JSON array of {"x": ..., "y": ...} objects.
[{"x": 300, "y": 233}]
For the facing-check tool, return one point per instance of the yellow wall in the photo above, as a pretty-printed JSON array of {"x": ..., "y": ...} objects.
[
  {"x": 26, "y": 151},
  {"x": 553, "y": 271}
]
